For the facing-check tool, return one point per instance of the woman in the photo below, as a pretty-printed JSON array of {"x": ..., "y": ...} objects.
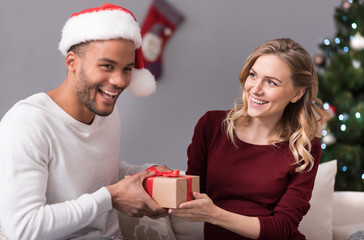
[{"x": 257, "y": 162}]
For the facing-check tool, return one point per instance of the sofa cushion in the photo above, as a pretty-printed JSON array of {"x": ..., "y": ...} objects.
[
  {"x": 317, "y": 224},
  {"x": 185, "y": 230},
  {"x": 145, "y": 228},
  {"x": 348, "y": 208},
  {"x": 359, "y": 235},
  {"x": 345, "y": 231}
]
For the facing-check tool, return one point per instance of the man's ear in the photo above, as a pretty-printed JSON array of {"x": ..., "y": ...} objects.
[
  {"x": 71, "y": 61},
  {"x": 298, "y": 94}
]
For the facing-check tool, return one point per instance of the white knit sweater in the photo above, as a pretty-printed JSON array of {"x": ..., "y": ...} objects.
[{"x": 53, "y": 172}]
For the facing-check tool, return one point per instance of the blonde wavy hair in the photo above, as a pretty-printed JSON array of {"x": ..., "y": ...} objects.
[{"x": 300, "y": 121}]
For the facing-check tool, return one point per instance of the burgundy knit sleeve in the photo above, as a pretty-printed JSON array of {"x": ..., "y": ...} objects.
[
  {"x": 293, "y": 205},
  {"x": 197, "y": 152}
]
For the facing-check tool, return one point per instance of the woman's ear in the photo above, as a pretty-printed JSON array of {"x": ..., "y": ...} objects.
[
  {"x": 71, "y": 60},
  {"x": 298, "y": 94}
]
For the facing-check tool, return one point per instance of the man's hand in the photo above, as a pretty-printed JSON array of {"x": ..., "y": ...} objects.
[{"x": 129, "y": 196}]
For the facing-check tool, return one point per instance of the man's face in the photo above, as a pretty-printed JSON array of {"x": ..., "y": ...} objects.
[{"x": 103, "y": 73}]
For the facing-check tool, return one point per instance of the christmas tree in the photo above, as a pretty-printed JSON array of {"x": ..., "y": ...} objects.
[{"x": 340, "y": 65}]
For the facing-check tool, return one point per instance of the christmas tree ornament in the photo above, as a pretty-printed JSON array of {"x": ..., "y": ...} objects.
[
  {"x": 356, "y": 64},
  {"x": 319, "y": 60},
  {"x": 357, "y": 42},
  {"x": 329, "y": 139},
  {"x": 345, "y": 4},
  {"x": 104, "y": 23},
  {"x": 160, "y": 23},
  {"x": 328, "y": 114},
  {"x": 330, "y": 110}
]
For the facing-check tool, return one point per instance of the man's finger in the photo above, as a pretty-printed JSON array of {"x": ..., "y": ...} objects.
[
  {"x": 145, "y": 174},
  {"x": 142, "y": 175},
  {"x": 159, "y": 216}
]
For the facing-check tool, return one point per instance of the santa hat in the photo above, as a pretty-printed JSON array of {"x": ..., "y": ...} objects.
[{"x": 110, "y": 22}]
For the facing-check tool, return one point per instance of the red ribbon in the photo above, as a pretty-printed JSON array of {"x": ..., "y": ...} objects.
[
  {"x": 189, "y": 187},
  {"x": 173, "y": 173}
]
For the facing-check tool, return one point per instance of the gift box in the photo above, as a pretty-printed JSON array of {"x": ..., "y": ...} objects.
[{"x": 169, "y": 189}]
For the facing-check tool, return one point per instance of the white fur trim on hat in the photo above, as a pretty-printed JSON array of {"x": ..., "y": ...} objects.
[
  {"x": 142, "y": 83},
  {"x": 99, "y": 25}
]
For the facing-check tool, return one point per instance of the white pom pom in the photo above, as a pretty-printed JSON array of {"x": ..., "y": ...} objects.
[{"x": 142, "y": 83}]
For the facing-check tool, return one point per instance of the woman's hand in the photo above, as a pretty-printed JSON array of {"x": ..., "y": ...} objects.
[{"x": 202, "y": 209}]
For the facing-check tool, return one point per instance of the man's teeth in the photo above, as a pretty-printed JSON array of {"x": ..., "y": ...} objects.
[
  {"x": 110, "y": 93},
  {"x": 258, "y": 101}
]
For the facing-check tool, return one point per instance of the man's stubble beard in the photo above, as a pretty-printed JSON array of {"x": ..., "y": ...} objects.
[{"x": 84, "y": 91}]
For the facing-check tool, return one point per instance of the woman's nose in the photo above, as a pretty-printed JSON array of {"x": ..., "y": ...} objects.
[{"x": 257, "y": 87}]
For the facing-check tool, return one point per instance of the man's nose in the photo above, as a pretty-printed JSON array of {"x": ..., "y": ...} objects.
[{"x": 119, "y": 80}]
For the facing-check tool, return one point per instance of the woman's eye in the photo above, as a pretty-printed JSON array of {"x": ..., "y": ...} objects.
[
  {"x": 252, "y": 74},
  {"x": 270, "y": 82}
]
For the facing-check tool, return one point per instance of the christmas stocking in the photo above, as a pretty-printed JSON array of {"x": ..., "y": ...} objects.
[{"x": 159, "y": 25}]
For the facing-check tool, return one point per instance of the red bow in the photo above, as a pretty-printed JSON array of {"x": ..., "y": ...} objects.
[{"x": 173, "y": 173}]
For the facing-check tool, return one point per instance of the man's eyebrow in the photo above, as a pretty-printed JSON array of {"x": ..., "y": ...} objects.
[
  {"x": 106, "y": 60},
  {"x": 113, "y": 62},
  {"x": 267, "y": 76}
]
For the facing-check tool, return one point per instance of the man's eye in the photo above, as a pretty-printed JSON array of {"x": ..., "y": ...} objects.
[
  {"x": 108, "y": 66},
  {"x": 128, "y": 69}
]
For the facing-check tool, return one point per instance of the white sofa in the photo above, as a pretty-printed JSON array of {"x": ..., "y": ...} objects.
[
  {"x": 347, "y": 218},
  {"x": 348, "y": 214},
  {"x": 333, "y": 215}
]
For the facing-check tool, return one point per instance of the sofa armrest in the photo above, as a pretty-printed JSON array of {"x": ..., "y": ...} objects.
[{"x": 348, "y": 208}]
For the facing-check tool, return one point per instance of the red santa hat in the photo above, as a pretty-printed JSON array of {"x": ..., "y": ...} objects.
[{"x": 110, "y": 22}]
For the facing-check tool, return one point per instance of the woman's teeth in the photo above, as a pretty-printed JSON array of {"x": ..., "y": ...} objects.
[{"x": 258, "y": 101}]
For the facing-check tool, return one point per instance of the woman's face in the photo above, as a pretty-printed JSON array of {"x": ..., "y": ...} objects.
[{"x": 269, "y": 88}]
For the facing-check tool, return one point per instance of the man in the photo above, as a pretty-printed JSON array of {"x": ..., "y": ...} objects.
[{"x": 60, "y": 151}]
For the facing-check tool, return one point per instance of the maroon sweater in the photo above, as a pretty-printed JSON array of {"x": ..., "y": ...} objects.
[{"x": 252, "y": 180}]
